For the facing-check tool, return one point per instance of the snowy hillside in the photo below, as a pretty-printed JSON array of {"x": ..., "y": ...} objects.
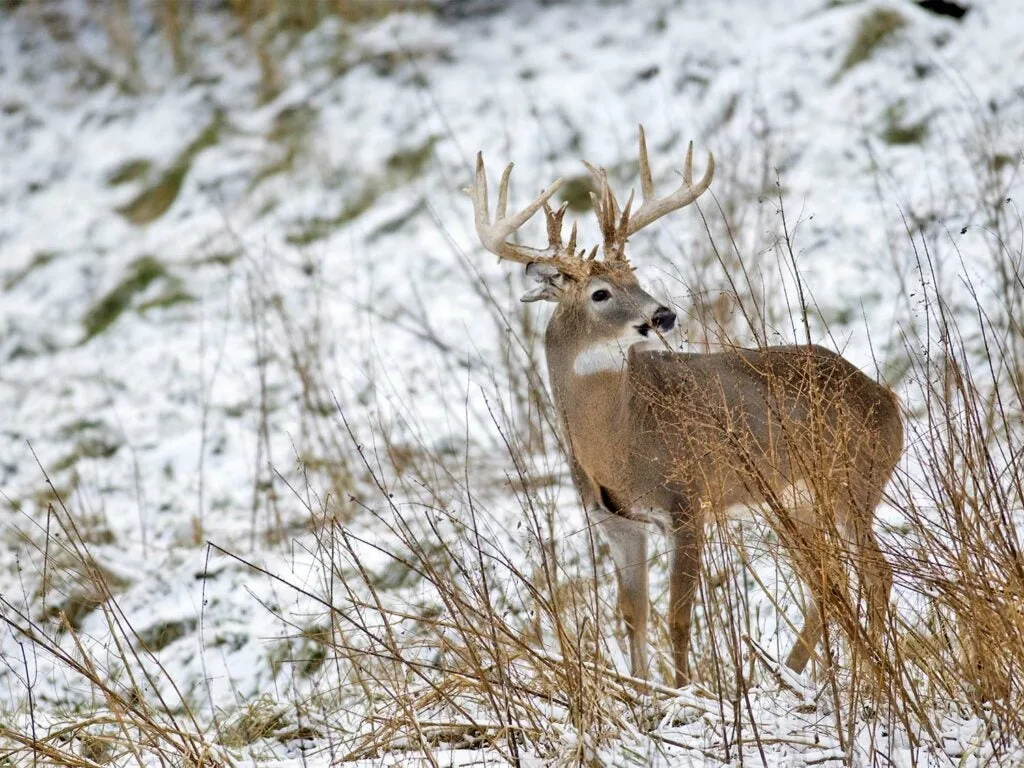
[{"x": 254, "y": 363}]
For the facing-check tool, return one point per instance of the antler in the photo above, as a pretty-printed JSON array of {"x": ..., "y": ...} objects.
[
  {"x": 617, "y": 227},
  {"x": 494, "y": 235}
]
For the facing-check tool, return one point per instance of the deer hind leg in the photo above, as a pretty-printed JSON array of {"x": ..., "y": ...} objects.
[
  {"x": 873, "y": 571},
  {"x": 807, "y": 639},
  {"x": 627, "y": 540},
  {"x": 801, "y": 543},
  {"x": 854, "y": 524},
  {"x": 684, "y": 580}
]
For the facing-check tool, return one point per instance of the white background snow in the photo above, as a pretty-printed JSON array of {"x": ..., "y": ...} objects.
[{"x": 165, "y": 429}]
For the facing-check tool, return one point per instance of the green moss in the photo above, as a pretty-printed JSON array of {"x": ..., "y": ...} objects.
[
  {"x": 291, "y": 129},
  {"x": 173, "y": 294},
  {"x": 108, "y": 309},
  {"x": 78, "y": 426},
  {"x": 874, "y": 28},
  {"x": 897, "y": 131},
  {"x": 313, "y": 652},
  {"x": 130, "y": 170},
  {"x": 315, "y": 229},
  {"x": 92, "y": 439},
  {"x": 40, "y": 260},
  {"x": 154, "y": 201},
  {"x": 77, "y": 587},
  {"x": 395, "y": 223},
  {"x": 269, "y": 206},
  {"x": 224, "y": 258},
  {"x": 407, "y": 164},
  {"x": 1001, "y": 160},
  {"x": 292, "y": 122},
  {"x": 304, "y": 653},
  {"x": 90, "y": 448},
  {"x": 576, "y": 192},
  {"x": 276, "y": 167},
  {"x": 162, "y": 634}
]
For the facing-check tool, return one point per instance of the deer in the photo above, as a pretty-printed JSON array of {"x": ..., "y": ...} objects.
[{"x": 671, "y": 438}]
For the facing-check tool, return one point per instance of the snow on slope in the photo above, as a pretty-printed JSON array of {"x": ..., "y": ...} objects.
[{"x": 337, "y": 204}]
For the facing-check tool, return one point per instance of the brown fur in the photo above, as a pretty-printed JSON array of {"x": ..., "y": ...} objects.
[{"x": 692, "y": 434}]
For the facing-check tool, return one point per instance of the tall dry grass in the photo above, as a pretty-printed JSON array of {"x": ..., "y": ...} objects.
[
  {"x": 462, "y": 635},
  {"x": 466, "y": 609},
  {"x": 458, "y": 628}
]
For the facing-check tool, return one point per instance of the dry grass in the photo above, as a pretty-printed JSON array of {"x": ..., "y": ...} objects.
[
  {"x": 455, "y": 631},
  {"x": 457, "y": 634},
  {"x": 268, "y": 26},
  {"x": 124, "y": 725},
  {"x": 457, "y": 643}
]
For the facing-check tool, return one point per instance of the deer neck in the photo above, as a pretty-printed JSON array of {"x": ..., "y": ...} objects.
[{"x": 589, "y": 384}]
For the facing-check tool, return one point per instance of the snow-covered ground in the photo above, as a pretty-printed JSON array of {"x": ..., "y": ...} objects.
[{"x": 206, "y": 275}]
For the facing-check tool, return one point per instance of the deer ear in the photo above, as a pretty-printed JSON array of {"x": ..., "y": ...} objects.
[{"x": 551, "y": 282}]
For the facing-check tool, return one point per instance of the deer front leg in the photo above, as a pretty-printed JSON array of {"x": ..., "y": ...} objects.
[
  {"x": 627, "y": 540},
  {"x": 684, "y": 579}
]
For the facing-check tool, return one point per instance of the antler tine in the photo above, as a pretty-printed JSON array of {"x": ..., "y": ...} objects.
[
  {"x": 605, "y": 197},
  {"x": 688, "y": 166},
  {"x": 553, "y": 219},
  {"x": 494, "y": 235},
  {"x": 616, "y": 250},
  {"x": 606, "y": 208},
  {"x": 653, "y": 208},
  {"x": 503, "y": 193},
  {"x": 478, "y": 192},
  {"x": 571, "y": 248},
  {"x": 614, "y": 224},
  {"x": 646, "y": 182}
]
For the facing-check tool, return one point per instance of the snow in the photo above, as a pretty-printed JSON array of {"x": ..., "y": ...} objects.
[{"x": 339, "y": 270}]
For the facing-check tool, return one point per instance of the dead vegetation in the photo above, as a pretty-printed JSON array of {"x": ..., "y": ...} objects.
[{"x": 454, "y": 628}]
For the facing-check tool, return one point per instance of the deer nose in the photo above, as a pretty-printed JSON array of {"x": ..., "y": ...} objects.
[{"x": 664, "y": 319}]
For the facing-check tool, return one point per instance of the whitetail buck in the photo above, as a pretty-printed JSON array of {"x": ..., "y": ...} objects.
[{"x": 661, "y": 436}]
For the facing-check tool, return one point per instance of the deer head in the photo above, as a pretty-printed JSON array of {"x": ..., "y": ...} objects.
[{"x": 602, "y": 310}]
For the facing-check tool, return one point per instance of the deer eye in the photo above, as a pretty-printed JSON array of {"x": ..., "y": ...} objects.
[{"x": 601, "y": 295}]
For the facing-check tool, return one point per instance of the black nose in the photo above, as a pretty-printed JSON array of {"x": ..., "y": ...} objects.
[{"x": 664, "y": 319}]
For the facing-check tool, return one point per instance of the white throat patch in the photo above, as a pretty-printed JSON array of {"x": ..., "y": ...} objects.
[{"x": 609, "y": 356}]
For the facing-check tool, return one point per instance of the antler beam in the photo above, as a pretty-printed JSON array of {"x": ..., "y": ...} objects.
[{"x": 494, "y": 235}]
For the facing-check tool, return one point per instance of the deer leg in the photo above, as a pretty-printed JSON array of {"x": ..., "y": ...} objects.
[
  {"x": 684, "y": 579},
  {"x": 857, "y": 517},
  {"x": 808, "y": 638},
  {"x": 875, "y": 575},
  {"x": 854, "y": 524},
  {"x": 801, "y": 539},
  {"x": 627, "y": 540}
]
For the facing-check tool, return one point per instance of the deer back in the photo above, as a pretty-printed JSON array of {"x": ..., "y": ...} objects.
[{"x": 739, "y": 425}]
